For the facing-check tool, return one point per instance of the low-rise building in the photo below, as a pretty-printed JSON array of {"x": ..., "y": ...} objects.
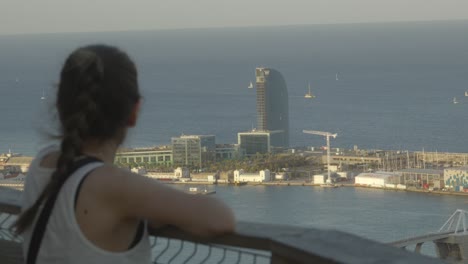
[
  {"x": 12, "y": 180},
  {"x": 261, "y": 176},
  {"x": 261, "y": 142},
  {"x": 456, "y": 178},
  {"x": 143, "y": 156},
  {"x": 377, "y": 179},
  {"x": 178, "y": 174},
  {"x": 15, "y": 164},
  {"x": 422, "y": 178},
  {"x": 351, "y": 160},
  {"x": 320, "y": 178}
]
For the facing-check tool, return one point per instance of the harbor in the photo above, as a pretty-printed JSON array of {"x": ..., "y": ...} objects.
[{"x": 436, "y": 173}]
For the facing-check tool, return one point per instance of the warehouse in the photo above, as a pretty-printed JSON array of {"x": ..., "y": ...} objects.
[{"x": 377, "y": 179}]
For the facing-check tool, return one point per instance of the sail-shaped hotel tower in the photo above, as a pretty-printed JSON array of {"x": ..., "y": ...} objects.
[{"x": 272, "y": 105}]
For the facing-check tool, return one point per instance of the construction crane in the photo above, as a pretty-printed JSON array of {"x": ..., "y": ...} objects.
[{"x": 327, "y": 135}]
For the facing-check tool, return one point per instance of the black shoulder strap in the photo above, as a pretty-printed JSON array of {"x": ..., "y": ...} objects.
[{"x": 40, "y": 227}]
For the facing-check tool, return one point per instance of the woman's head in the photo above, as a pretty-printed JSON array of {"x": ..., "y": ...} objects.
[
  {"x": 97, "y": 93},
  {"x": 97, "y": 100}
]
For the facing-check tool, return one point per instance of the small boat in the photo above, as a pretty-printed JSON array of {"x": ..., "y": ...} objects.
[
  {"x": 455, "y": 100},
  {"x": 309, "y": 94},
  {"x": 328, "y": 185},
  {"x": 336, "y": 77},
  {"x": 466, "y": 93},
  {"x": 43, "y": 95},
  {"x": 250, "y": 86},
  {"x": 194, "y": 190}
]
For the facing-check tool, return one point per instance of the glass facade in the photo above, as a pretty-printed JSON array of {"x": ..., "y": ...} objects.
[
  {"x": 193, "y": 151},
  {"x": 252, "y": 143},
  {"x": 272, "y": 105}
]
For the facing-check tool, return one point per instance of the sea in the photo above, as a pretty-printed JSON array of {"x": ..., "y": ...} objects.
[
  {"x": 395, "y": 87},
  {"x": 379, "y": 86}
]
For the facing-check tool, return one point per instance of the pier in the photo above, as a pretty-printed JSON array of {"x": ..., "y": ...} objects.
[{"x": 451, "y": 241}]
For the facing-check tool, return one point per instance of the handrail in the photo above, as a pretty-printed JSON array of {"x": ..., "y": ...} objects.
[{"x": 287, "y": 244}]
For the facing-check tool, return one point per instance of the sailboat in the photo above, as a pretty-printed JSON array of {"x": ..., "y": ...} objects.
[
  {"x": 336, "y": 77},
  {"x": 455, "y": 100},
  {"x": 43, "y": 95},
  {"x": 309, "y": 94},
  {"x": 250, "y": 85},
  {"x": 466, "y": 93}
]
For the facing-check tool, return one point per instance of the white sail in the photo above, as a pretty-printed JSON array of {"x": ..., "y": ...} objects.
[
  {"x": 309, "y": 94},
  {"x": 250, "y": 85}
]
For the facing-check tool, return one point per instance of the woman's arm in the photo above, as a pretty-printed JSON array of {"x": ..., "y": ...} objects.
[{"x": 137, "y": 197}]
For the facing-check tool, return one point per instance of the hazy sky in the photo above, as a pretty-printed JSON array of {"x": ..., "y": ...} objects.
[{"x": 39, "y": 16}]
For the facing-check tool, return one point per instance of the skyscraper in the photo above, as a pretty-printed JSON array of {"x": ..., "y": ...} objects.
[{"x": 272, "y": 105}]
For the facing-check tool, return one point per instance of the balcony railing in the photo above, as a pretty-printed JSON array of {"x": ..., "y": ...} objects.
[{"x": 251, "y": 243}]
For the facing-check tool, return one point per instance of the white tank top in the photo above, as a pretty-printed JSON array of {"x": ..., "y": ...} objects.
[{"x": 63, "y": 241}]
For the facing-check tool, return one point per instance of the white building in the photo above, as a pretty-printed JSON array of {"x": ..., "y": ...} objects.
[
  {"x": 179, "y": 174},
  {"x": 376, "y": 179},
  {"x": 319, "y": 179},
  {"x": 262, "y": 176},
  {"x": 281, "y": 176}
]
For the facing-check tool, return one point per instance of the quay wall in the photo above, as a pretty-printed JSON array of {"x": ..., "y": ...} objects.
[{"x": 348, "y": 185}]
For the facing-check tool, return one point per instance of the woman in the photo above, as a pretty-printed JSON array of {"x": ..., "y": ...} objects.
[{"x": 101, "y": 212}]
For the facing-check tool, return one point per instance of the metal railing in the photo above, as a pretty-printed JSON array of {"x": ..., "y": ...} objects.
[{"x": 251, "y": 243}]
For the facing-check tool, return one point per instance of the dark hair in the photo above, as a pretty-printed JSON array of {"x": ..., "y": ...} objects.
[{"x": 97, "y": 93}]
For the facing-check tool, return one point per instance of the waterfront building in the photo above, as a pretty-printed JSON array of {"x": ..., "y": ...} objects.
[
  {"x": 441, "y": 158},
  {"x": 378, "y": 179},
  {"x": 193, "y": 150},
  {"x": 227, "y": 151},
  {"x": 253, "y": 142},
  {"x": 351, "y": 160},
  {"x": 143, "y": 156},
  {"x": 15, "y": 164},
  {"x": 261, "y": 176},
  {"x": 272, "y": 105},
  {"x": 424, "y": 178},
  {"x": 178, "y": 174},
  {"x": 322, "y": 178},
  {"x": 14, "y": 181},
  {"x": 456, "y": 178}
]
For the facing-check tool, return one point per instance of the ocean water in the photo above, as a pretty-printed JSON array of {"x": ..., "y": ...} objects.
[{"x": 395, "y": 88}]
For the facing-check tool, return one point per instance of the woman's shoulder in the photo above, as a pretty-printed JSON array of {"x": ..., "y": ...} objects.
[{"x": 110, "y": 178}]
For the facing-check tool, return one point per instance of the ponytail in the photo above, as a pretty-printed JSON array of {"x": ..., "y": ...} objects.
[{"x": 81, "y": 79}]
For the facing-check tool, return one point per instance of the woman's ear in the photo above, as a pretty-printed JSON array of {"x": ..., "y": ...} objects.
[{"x": 134, "y": 114}]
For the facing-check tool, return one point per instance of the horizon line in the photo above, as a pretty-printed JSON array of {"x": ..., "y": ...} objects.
[{"x": 233, "y": 27}]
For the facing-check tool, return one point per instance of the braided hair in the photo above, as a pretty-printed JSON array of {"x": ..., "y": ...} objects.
[{"x": 97, "y": 93}]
